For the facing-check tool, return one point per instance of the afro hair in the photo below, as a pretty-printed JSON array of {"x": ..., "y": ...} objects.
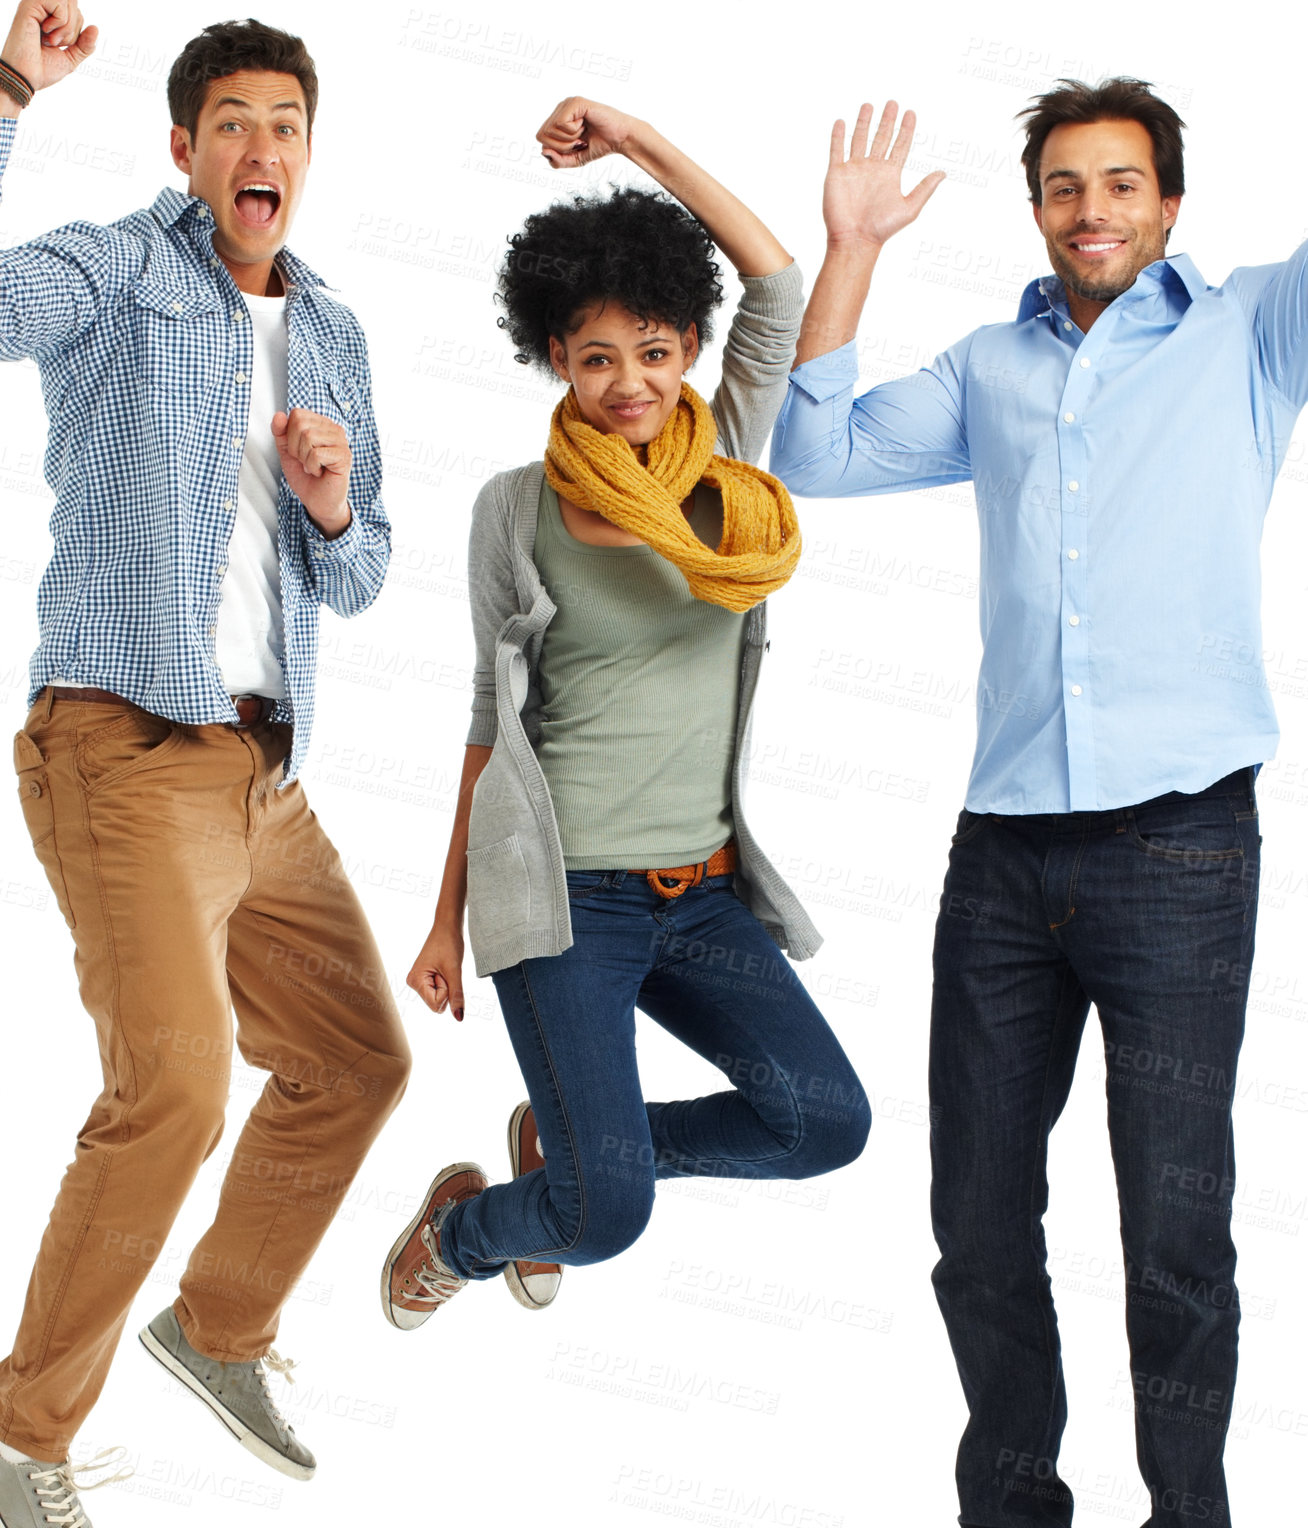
[{"x": 636, "y": 248}]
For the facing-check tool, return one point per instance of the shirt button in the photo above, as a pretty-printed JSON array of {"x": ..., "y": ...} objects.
[
  {"x": 241, "y": 377},
  {"x": 215, "y": 263},
  {"x": 346, "y": 407},
  {"x": 237, "y": 442},
  {"x": 229, "y": 504},
  {"x": 1066, "y": 325},
  {"x": 34, "y": 788},
  {"x": 1068, "y": 418},
  {"x": 1074, "y": 620},
  {"x": 177, "y": 307},
  {"x": 1085, "y": 361},
  {"x": 237, "y": 317},
  {"x": 222, "y": 567},
  {"x": 1073, "y": 486},
  {"x": 212, "y": 630},
  {"x": 203, "y": 212},
  {"x": 1076, "y": 689},
  {"x": 1072, "y": 554}
]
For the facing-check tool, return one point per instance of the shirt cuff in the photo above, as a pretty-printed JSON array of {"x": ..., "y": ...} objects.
[
  {"x": 8, "y": 131},
  {"x": 826, "y": 375},
  {"x": 340, "y": 548}
]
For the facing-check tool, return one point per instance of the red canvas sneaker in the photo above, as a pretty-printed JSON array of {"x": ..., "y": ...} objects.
[
  {"x": 531, "y": 1284},
  {"x": 415, "y": 1280}
]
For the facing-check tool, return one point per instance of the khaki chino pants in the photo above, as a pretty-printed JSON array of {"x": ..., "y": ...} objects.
[{"x": 192, "y": 886}]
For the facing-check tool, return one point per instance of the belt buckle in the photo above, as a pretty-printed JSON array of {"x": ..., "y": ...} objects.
[
  {"x": 265, "y": 710},
  {"x": 682, "y": 880}
]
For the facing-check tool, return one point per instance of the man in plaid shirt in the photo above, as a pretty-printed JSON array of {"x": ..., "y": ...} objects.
[{"x": 216, "y": 470}]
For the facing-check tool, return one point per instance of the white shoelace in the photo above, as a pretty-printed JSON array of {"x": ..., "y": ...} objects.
[
  {"x": 273, "y": 1362},
  {"x": 61, "y": 1486},
  {"x": 435, "y": 1282}
]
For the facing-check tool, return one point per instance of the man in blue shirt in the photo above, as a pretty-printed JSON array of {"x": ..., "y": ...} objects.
[
  {"x": 216, "y": 474},
  {"x": 1122, "y": 437}
]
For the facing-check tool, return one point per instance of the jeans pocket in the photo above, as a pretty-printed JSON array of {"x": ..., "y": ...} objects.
[
  {"x": 1245, "y": 807},
  {"x": 39, "y": 816},
  {"x": 969, "y": 825},
  {"x": 584, "y": 884},
  {"x": 1186, "y": 832}
]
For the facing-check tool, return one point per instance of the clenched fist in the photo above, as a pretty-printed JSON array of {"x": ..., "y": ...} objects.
[
  {"x": 316, "y": 458},
  {"x": 47, "y": 41}
]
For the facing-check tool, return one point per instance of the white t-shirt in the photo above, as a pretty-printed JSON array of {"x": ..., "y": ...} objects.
[{"x": 250, "y": 643}]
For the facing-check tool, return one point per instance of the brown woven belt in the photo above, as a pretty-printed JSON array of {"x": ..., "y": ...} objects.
[
  {"x": 683, "y": 877},
  {"x": 252, "y": 709}
]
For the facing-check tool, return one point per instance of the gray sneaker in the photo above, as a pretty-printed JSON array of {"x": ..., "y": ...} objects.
[
  {"x": 33, "y": 1495},
  {"x": 236, "y": 1393}
]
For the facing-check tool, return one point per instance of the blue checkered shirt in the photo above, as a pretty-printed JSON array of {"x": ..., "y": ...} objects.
[{"x": 144, "y": 346}]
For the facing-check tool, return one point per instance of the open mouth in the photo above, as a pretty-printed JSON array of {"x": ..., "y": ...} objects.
[
  {"x": 630, "y": 410},
  {"x": 257, "y": 203},
  {"x": 1096, "y": 248}
]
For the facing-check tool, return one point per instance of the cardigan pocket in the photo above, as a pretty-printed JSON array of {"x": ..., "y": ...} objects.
[{"x": 499, "y": 892}]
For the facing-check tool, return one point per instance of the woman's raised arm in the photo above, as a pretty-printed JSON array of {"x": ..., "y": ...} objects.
[{"x": 579, "y": 131}]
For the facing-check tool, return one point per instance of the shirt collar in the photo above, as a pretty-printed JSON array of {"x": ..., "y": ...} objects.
[
  {"x": 173, "y": 207},
  {"x": 1176, "y": 272}
]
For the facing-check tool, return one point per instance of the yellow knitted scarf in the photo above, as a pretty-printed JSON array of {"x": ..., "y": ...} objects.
[{"x": 760, "y": 535}]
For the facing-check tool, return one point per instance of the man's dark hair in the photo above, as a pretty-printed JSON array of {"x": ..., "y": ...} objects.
[
  {"x": 224, "y": 48},
  {"x": 636, "y": 248},
  {"x": 1118, "y": 99}
]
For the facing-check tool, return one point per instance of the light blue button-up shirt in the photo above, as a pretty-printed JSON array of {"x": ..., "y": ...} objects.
[
  {"x": 1121, "y": 478},
  {"x": 144, "y": 342}
]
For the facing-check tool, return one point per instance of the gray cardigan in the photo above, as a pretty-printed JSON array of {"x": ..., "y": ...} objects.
[{"x": 517, "y": 893}]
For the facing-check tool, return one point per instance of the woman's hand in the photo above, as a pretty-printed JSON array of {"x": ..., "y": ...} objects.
[
  {"x": 437, "y": 974},
  {"x": 579, "y": 131}
]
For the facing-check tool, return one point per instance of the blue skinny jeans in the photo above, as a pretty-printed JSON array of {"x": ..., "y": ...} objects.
[{"x": 705, "y": 969}]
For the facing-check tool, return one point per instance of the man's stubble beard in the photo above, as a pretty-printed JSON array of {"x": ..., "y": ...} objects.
[{"x": 1108, "y": 288}]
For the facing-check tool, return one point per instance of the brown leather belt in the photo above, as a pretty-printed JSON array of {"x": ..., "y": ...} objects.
[
  {"x": 684, "y": 877},
  {"x": 252, "y": 709}
]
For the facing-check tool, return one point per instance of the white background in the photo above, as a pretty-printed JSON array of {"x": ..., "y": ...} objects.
[{"x": 765, "y": 1354}]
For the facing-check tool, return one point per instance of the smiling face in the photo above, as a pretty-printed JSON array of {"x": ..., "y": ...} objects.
[
  {"x": 625, "y": 371},
  {"x": 248, "y": 159},
  {"x": 1101, "y": 212}
]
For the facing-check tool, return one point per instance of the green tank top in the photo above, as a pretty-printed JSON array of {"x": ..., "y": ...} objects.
[{"x": 640, "y": 684}]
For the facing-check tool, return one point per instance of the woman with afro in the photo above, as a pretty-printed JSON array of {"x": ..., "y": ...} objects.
[{"x": 600, "y": 848}]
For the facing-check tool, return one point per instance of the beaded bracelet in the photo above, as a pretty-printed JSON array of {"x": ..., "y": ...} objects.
[{"x": 16, "y": 86}]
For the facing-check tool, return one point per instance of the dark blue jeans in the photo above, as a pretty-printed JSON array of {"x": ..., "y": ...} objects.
[
  {"x": 704, "y": 968},
  {"x": 1148, "y": 913}
]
